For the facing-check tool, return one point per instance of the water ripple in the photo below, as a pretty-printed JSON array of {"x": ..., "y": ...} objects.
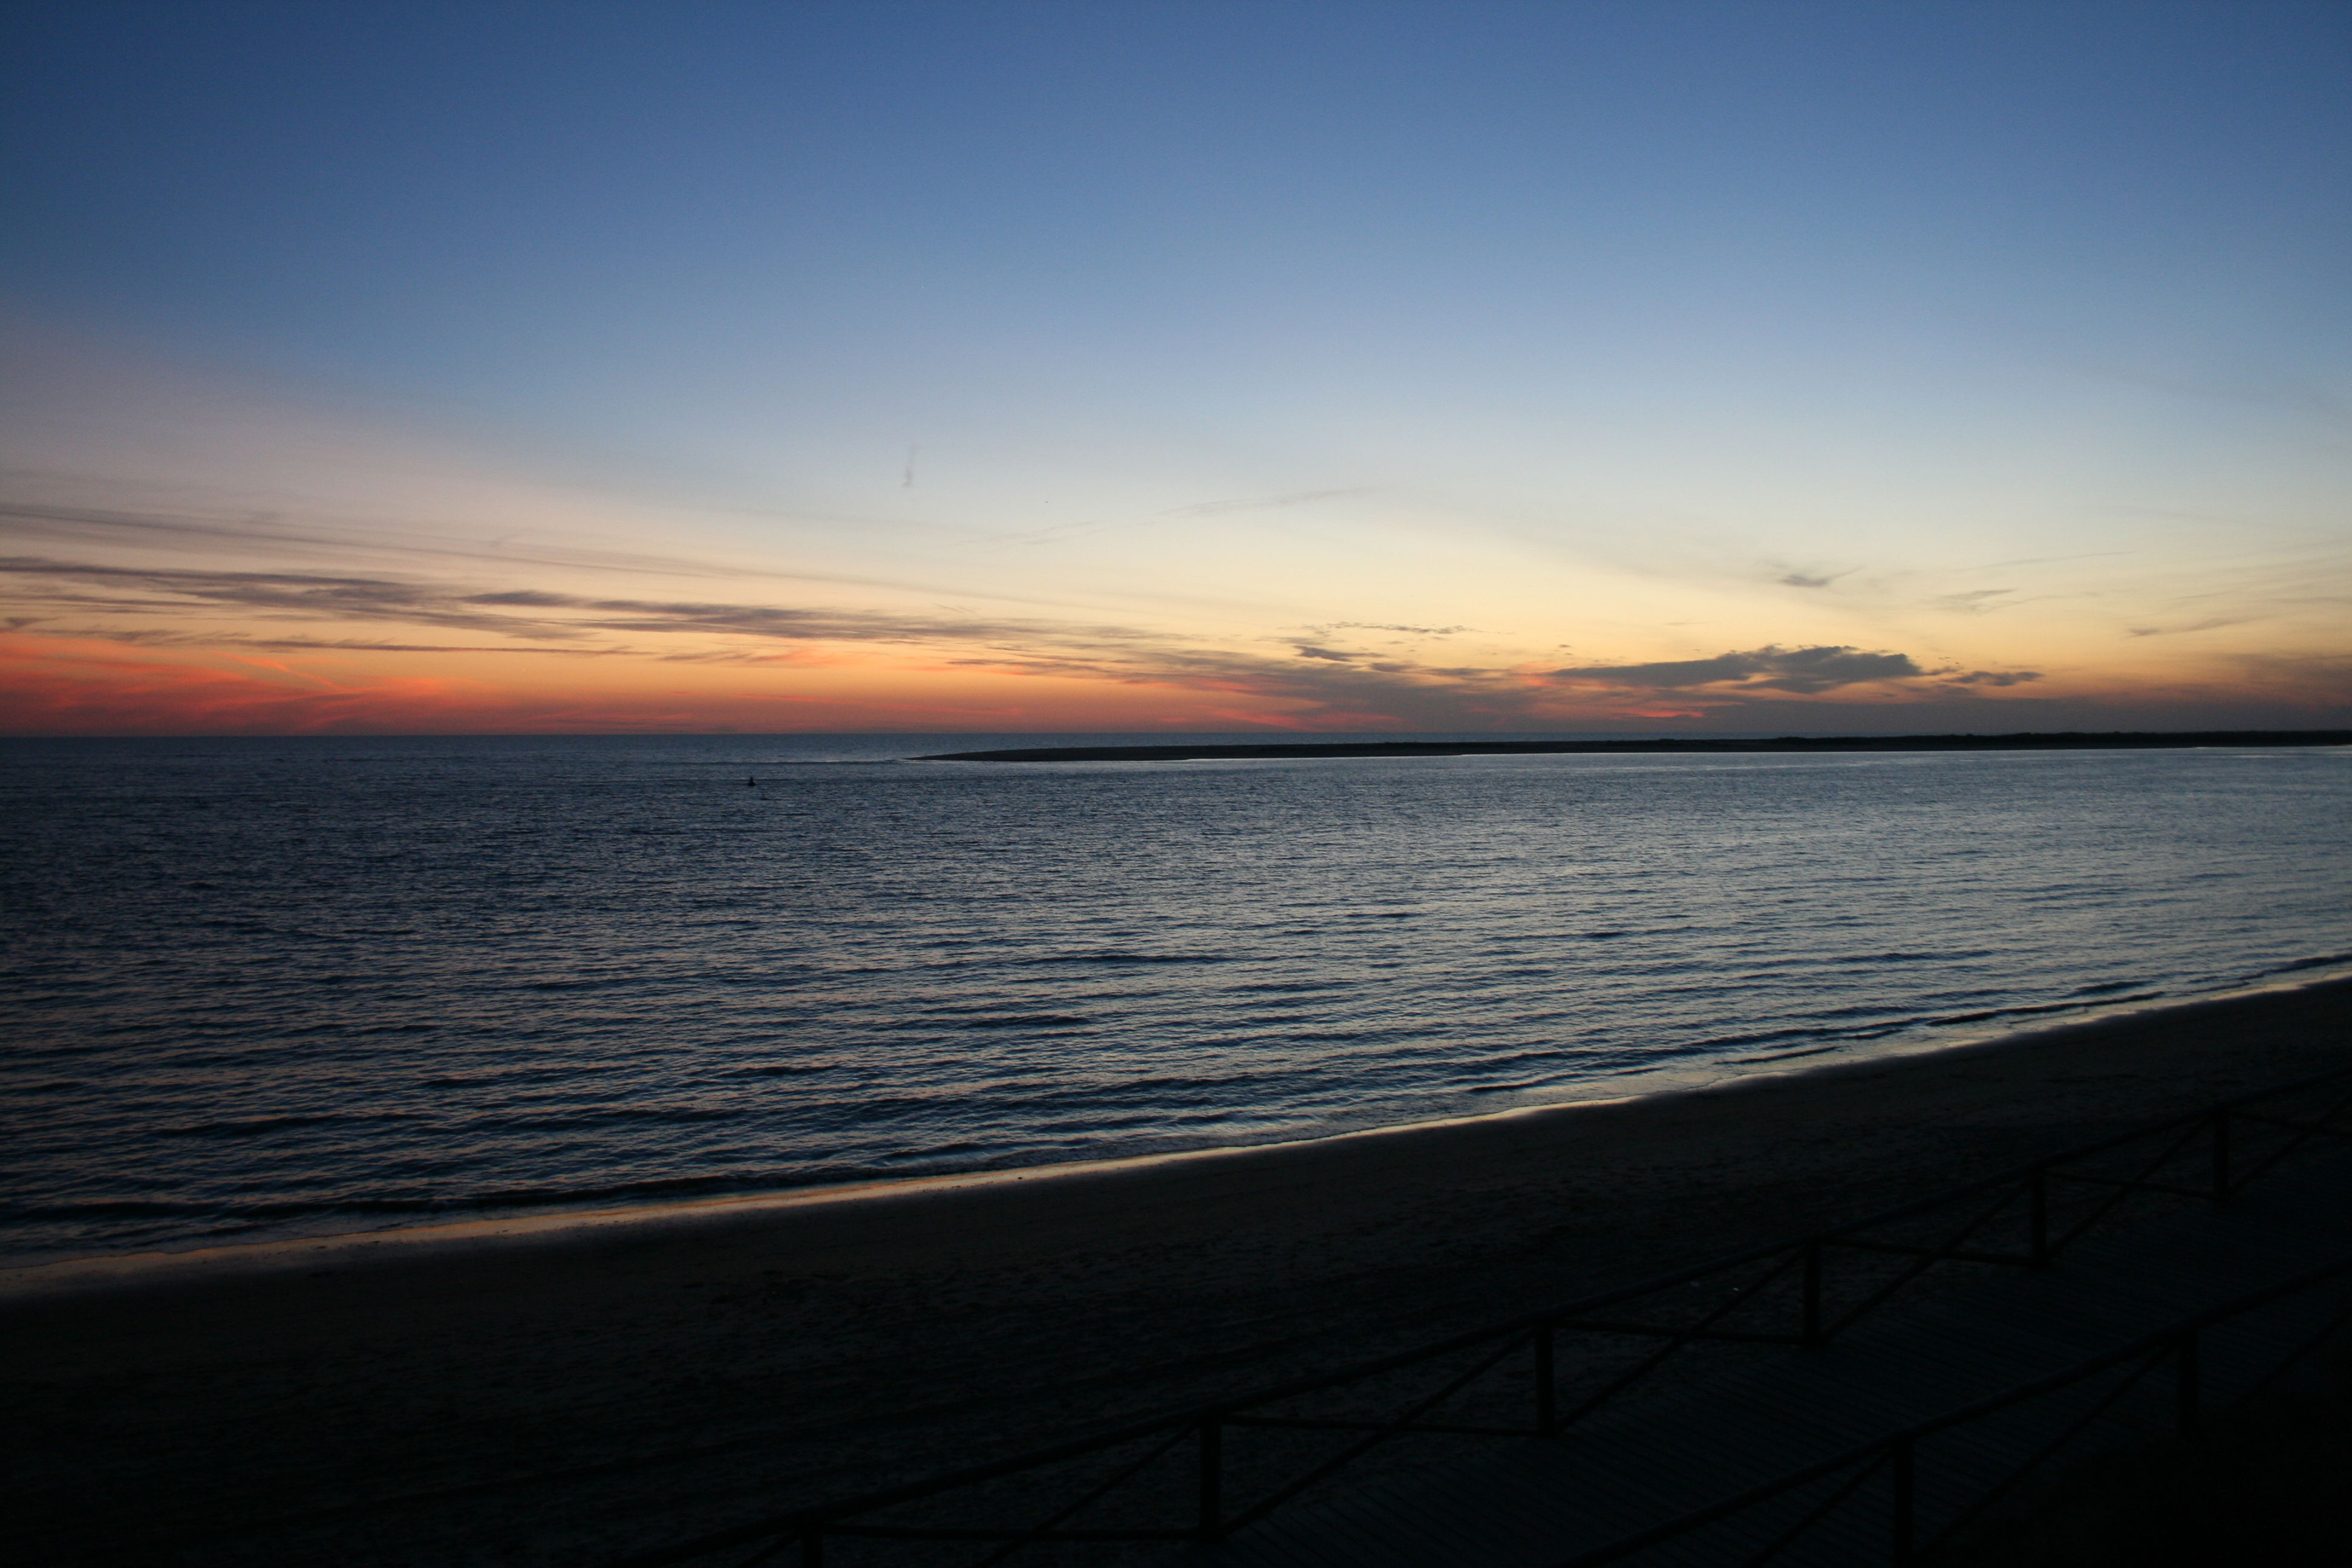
[{"x": 268, "y": 986}]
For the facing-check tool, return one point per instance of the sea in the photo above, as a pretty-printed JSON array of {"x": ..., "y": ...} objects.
[{"x": 262, "y": 988}]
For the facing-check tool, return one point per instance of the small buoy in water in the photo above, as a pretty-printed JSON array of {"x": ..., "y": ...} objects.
[{"x": 751, "y": 784}]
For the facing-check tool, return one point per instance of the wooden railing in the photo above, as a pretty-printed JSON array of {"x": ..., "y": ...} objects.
[{"x": 1178, "y": 1477}]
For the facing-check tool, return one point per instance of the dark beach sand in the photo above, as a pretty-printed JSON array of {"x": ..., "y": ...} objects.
[{"x": 813, "y": 1348}]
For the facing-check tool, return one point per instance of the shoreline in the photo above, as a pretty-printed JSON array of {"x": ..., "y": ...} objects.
[
  {"x": 597, "y": 1388},
  {"x": 393, "y": 1245}
]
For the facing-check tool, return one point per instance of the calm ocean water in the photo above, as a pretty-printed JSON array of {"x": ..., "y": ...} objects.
[{"x": 265, "y": 988}]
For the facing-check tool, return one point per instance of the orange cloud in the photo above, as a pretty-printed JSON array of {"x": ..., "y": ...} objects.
[
  {"x": 78, "y": 686},
  {"x": 52, "y": 688},
  {"x": 120, "y": 684}
]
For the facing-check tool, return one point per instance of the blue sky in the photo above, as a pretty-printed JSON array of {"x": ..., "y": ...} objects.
[{"x": 1617, "y": 335}]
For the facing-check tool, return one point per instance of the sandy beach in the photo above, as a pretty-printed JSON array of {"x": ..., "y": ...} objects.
[{"x": 565, "y": 1390}]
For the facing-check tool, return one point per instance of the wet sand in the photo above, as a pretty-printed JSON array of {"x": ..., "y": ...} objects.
[{"x": 697, "y": 1362}]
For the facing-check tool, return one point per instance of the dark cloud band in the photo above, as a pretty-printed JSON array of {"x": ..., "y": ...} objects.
[{"x": 1803, "y": 671}]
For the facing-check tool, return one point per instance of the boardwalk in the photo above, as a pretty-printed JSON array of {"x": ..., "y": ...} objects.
[{"x": 1539, "y": 1503}]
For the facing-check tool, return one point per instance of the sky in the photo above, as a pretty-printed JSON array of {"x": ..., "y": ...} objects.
[{"x": 1580, "y": 367}]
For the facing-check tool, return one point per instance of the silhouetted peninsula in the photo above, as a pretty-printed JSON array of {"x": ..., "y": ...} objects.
[{"x": 2062, "y": 741}]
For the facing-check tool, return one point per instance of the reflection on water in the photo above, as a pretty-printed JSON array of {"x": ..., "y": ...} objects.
[{"x": 262, "y": 986}]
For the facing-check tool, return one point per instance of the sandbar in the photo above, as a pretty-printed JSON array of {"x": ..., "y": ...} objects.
[{"x": 2023, "y": 741}]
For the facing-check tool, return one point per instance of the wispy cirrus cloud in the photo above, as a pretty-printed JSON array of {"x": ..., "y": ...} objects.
[
  {"x": 361, "y": 645},
  {"x": 1976, "y": 601},
  {"x": 2210, "y": 623},
  {"x": 280, "y": 538},
  {"x": 34, "y": 583},
  {"x": 1329, "y": 626}
]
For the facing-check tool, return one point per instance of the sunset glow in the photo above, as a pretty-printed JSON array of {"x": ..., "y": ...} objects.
[{"x": 1066, "y": 369}]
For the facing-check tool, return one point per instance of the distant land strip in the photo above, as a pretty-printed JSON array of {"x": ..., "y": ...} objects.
[{"x": 2062, "y": 740}]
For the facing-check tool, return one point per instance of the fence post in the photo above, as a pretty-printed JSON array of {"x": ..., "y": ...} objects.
[
  {"x": 2220, "y": 1153},
  {"x": 1213, "y": 1478},
  {"x": 2185, "y": 1367},
  {"x": 2038, "y": 1217},
  {"x": 1812, "y": 1293},
  {"x": 1546, "y": 1385},
  {"x": 1904, "y": 1464}
]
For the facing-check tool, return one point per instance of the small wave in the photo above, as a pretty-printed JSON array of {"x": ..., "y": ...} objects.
[
  {"x": 665, "y": 1115},
  {"x": 1127, "y": 958},
  {"x": 1520, "y": 1059},
  {"x": 831, "y": 763},
  {"x": 1764, "y": 1037},
  {"x": 255, "y": 1127},
  {"x": 2301, "y": 963},
  {"x": 1783, "y": 1056},
  {"x": 254, "y": 1214},
  {"x": 986, "y": 1015},
  {"x": 107, "y": 1208},
  {"x": 2038, "y": 1008}
]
